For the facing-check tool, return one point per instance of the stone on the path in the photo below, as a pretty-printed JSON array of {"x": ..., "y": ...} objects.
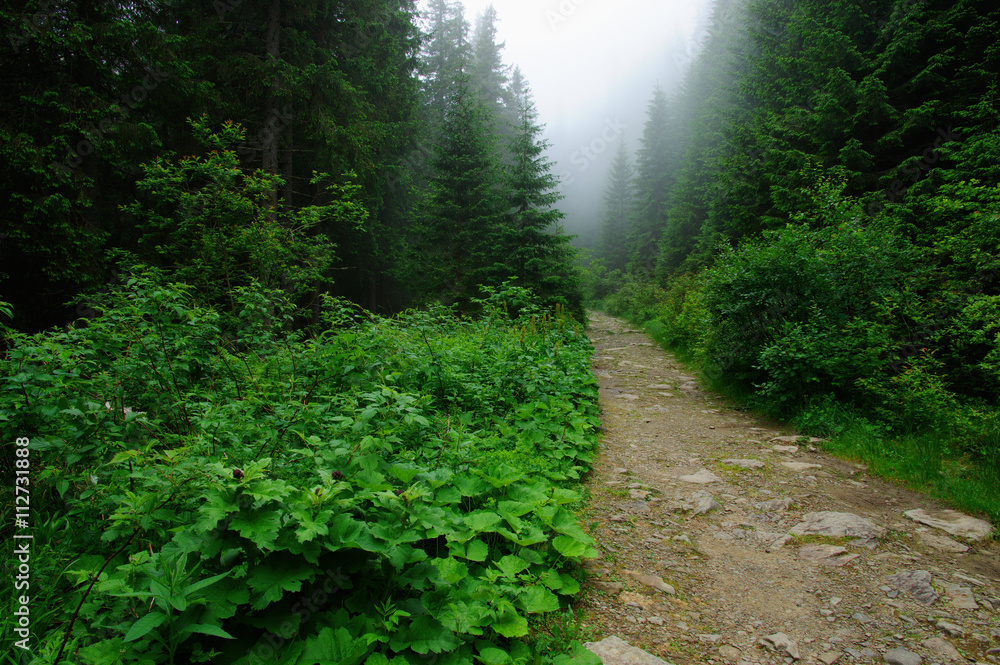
[
  {"x": 785, "y": 449},
  {"x": 942, "y": 649},
  {"x": 639, "y": 494},
  {"x": 966, "y": 578},
  {"x": 902, "y": 656},
  {"x": 744, "y": 463},
  {"x": 827, "y": 555},
  {"x": 961, "y": 596},
  {"x": 639, "y": 507},
  {"x": 730, "y": 654},
  {"x": 774, "y": 505},
  {"x": 616, "y": 651},
  {"x": 838, "y": 525},
  {"x": 781, "y": 643},
  {"x": 796, "y": 439},
  {"x": 703, "y": 477},
  {"x": 702, "y": 503},
  {"x": 610, "y": 587},
  {"x": 953, "y": 522},
  {"x": 830, "y": 657},
  {"x": 660, "y": 386},
  {"x": 916, "y": 583},
  {"x": 801, "y": 466},
  {"x": 636, "y": 600},
  {"x": 652, "y": 581},
  {"x": 621, "y": 471},
  {"x": 862, "y": 618},
  {"x": 942, "y": 543},
  {"x": 952, "y": 629},
  {"x": 656, "y": 621},
  {"x": 779, "y": 543}
]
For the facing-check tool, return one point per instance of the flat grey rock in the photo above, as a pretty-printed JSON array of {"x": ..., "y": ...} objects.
[
  {"x": 916, "y": 583},
  {"x": 652, "y": 581},
  {"x": 942, "y": 649},
  {"x": 953, "y": 522},
  {"x": 774, "y": 505},
  {"x": 616, "y": 651},
  {"x": 837, "y": 525},
  {"x": 781, "y": 643},
  {"x": 902, "y": 657},
  {"x": 703, "y": 477},
  {"x": 745, "y": 463},
  {"x": 827, "y": 555},
  {"x": 801, "y": 466},
  {"x": 704, "y": 503},
  {"x": 960, "y": 596},
  {"x": 952, "y": 629},
  {"x": 942, "y": 543}
]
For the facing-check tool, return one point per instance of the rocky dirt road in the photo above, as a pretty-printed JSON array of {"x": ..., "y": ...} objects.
[{"x": 725, "y": 541}]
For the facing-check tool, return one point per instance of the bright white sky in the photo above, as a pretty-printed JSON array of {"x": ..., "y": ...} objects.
[
  {"x": 577, "y": 53},
  {"x": 592, "y": 66}
]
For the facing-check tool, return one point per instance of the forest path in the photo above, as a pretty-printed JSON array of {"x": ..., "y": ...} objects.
[{"x": 697, "y": 563}]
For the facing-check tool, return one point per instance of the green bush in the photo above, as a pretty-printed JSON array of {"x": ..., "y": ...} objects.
[{"x": 391, "y": 489}]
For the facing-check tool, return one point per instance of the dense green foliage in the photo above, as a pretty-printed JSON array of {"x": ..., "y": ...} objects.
[
  {"x": 319, "y": 102},
  {"x": 391, "y": 491},
  {"x": 828, "y": 244}
]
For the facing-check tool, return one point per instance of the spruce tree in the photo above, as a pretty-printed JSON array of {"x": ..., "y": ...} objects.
[
  {"x": 455, "y": 244},
  {"x": 530, "y": 244},
  {"x": 619, "y": 203}
]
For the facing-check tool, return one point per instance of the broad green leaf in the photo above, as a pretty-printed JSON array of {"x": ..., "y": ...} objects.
[
  {"x": 276, "y": 575},
  {"x": 201, "y": 584},
  {"x": 482, "y": 520},
  {"x": 144, "y": 625},
  {"x": 511, "y": 565},
  {"x": 536, "y": 600},
  {"x": 470, "y": 485},
  {"x": 207, "y": 629},
  {"x": 510, "y": 624},
  {"x": 568, "y": 546},
  {"x": 451, "y": 570},
  {"x": 477, "y": 551},
  {"x": 494, "y": 656},
  {"x": 424, "y": 634},
  {"x": 331, "y": 646}
]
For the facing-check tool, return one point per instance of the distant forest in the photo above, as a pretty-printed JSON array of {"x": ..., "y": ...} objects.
[
  {"x": 813, "y": 220},
  {"x": 333, "y": 147}
]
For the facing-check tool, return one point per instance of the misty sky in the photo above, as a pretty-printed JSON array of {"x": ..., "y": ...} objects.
[{"x": 592, "y": 66}]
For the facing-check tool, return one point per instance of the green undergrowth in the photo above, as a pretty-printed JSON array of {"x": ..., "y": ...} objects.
[{"x": 395, "y": 490}]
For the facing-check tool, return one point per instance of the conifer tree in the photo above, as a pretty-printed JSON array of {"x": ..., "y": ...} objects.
[
  {"x": 465, "y": 203},
  {"x": 530, "y": 244},
  {"x": 619, "y": 203},
  {"x": 655, "y": 173}
]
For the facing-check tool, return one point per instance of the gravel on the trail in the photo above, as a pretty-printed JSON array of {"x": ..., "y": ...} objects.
[{"x": 726, "y": 538}]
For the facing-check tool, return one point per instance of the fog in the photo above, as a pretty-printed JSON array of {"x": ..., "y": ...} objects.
[{"x": 592, "y": 66}]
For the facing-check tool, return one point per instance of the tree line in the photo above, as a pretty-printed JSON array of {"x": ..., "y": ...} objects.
[{"x": 358, "y": 148}]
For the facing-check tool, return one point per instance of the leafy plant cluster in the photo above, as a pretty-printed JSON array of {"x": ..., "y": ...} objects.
[{"x": 390, "y": 491}]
